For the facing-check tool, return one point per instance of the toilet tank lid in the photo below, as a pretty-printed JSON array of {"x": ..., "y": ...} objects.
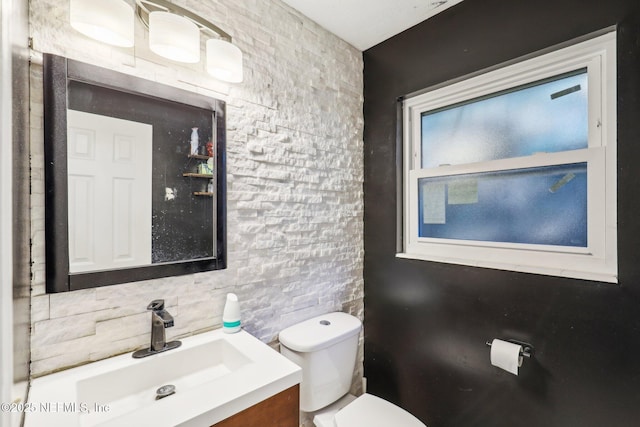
[{"x": 320, "y": 332}]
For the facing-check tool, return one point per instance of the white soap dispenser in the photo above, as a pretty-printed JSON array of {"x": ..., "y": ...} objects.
[{"x": 231, "y": 315}]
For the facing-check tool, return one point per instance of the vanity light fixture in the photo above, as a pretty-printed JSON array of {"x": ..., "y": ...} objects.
[
  {"x": 224, "y": 60},
  {"x": 109, "y": 21},
  {"x": 174, "y": 37},
  {"x": 174, "y": 32}
]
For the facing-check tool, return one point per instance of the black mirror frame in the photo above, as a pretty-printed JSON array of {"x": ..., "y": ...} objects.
[{"x": 58, "y": 72}]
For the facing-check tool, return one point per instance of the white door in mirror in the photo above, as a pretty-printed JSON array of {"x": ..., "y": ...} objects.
[{"x": 109, "y": 181}]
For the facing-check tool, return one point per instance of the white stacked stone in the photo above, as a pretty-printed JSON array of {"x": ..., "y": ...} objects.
[{"x": 294, "y": 182}]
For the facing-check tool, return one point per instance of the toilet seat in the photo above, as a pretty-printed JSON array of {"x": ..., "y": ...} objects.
[{"x": 371, "y": 411}]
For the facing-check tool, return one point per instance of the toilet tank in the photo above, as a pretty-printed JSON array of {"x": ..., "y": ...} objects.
[{"x": 325, "y": 347}]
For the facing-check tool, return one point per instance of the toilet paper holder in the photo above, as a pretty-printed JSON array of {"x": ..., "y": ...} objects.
[{"x": 527, "y": 349}]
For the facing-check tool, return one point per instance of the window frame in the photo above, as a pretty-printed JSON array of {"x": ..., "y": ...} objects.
[{"x": 598, "y": 261}]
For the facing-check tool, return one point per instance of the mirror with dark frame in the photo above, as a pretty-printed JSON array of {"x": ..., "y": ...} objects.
[{"x": 134, "y": 178}]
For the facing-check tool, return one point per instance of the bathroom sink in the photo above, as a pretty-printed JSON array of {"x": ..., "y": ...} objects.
[
  {"x": 132, "y": 387},
  {"x": 215, "y": 375}
]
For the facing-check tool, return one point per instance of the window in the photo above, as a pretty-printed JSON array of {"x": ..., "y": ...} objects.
[{"x": 515, "y": 169}]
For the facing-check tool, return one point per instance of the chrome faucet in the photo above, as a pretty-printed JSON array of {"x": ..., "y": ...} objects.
[{"x": 160, "y": 319}]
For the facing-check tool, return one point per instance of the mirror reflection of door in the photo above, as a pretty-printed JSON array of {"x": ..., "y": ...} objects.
[{"x": 109, "y": 184}]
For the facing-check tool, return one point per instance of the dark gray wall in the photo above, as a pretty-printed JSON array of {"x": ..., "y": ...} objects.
[{"x": 426, "y": 323}]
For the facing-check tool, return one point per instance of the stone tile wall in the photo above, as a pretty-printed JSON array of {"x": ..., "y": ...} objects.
[{"x": 295, "y": 175}]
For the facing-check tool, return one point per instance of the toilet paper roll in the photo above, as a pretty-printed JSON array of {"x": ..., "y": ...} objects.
[{"x": 506, "y": 355}]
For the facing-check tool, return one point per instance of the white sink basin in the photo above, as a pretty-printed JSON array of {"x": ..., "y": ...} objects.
[
  {"x": 185, "y": 370},
  {"x": 215, "y": 376}
]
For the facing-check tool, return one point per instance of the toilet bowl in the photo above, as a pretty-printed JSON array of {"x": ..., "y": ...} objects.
[
  {"x": 366, "y": 411},
  {"x": 325, "y": 347}
]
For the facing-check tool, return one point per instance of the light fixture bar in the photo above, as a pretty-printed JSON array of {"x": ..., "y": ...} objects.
[{"x": 145, "y": 7}]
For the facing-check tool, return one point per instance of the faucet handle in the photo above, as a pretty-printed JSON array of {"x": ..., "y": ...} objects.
[{"x": 156, "y": 304}]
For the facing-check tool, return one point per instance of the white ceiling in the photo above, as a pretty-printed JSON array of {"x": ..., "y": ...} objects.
[{"x": 365, "y": 23}]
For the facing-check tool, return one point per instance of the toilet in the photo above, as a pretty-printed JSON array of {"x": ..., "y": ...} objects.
[{"x": 326, "y": 347}]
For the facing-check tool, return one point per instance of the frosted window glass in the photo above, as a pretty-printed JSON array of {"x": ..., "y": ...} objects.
[
  {"x": 546, "y": 206},
  {"x": 546, "y": 116}
]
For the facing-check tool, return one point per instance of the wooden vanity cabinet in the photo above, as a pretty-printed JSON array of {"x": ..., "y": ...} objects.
[{"x": 281, "y": 410}]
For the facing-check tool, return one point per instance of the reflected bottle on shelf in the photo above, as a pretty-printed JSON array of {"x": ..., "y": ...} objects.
[{"x": 195, "y": 140}]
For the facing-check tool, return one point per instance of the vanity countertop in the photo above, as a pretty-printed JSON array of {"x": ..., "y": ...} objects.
[{"x": 216, "y": 375}]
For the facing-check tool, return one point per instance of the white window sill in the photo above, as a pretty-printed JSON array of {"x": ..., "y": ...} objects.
[{"x": 547, "y": 271}]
